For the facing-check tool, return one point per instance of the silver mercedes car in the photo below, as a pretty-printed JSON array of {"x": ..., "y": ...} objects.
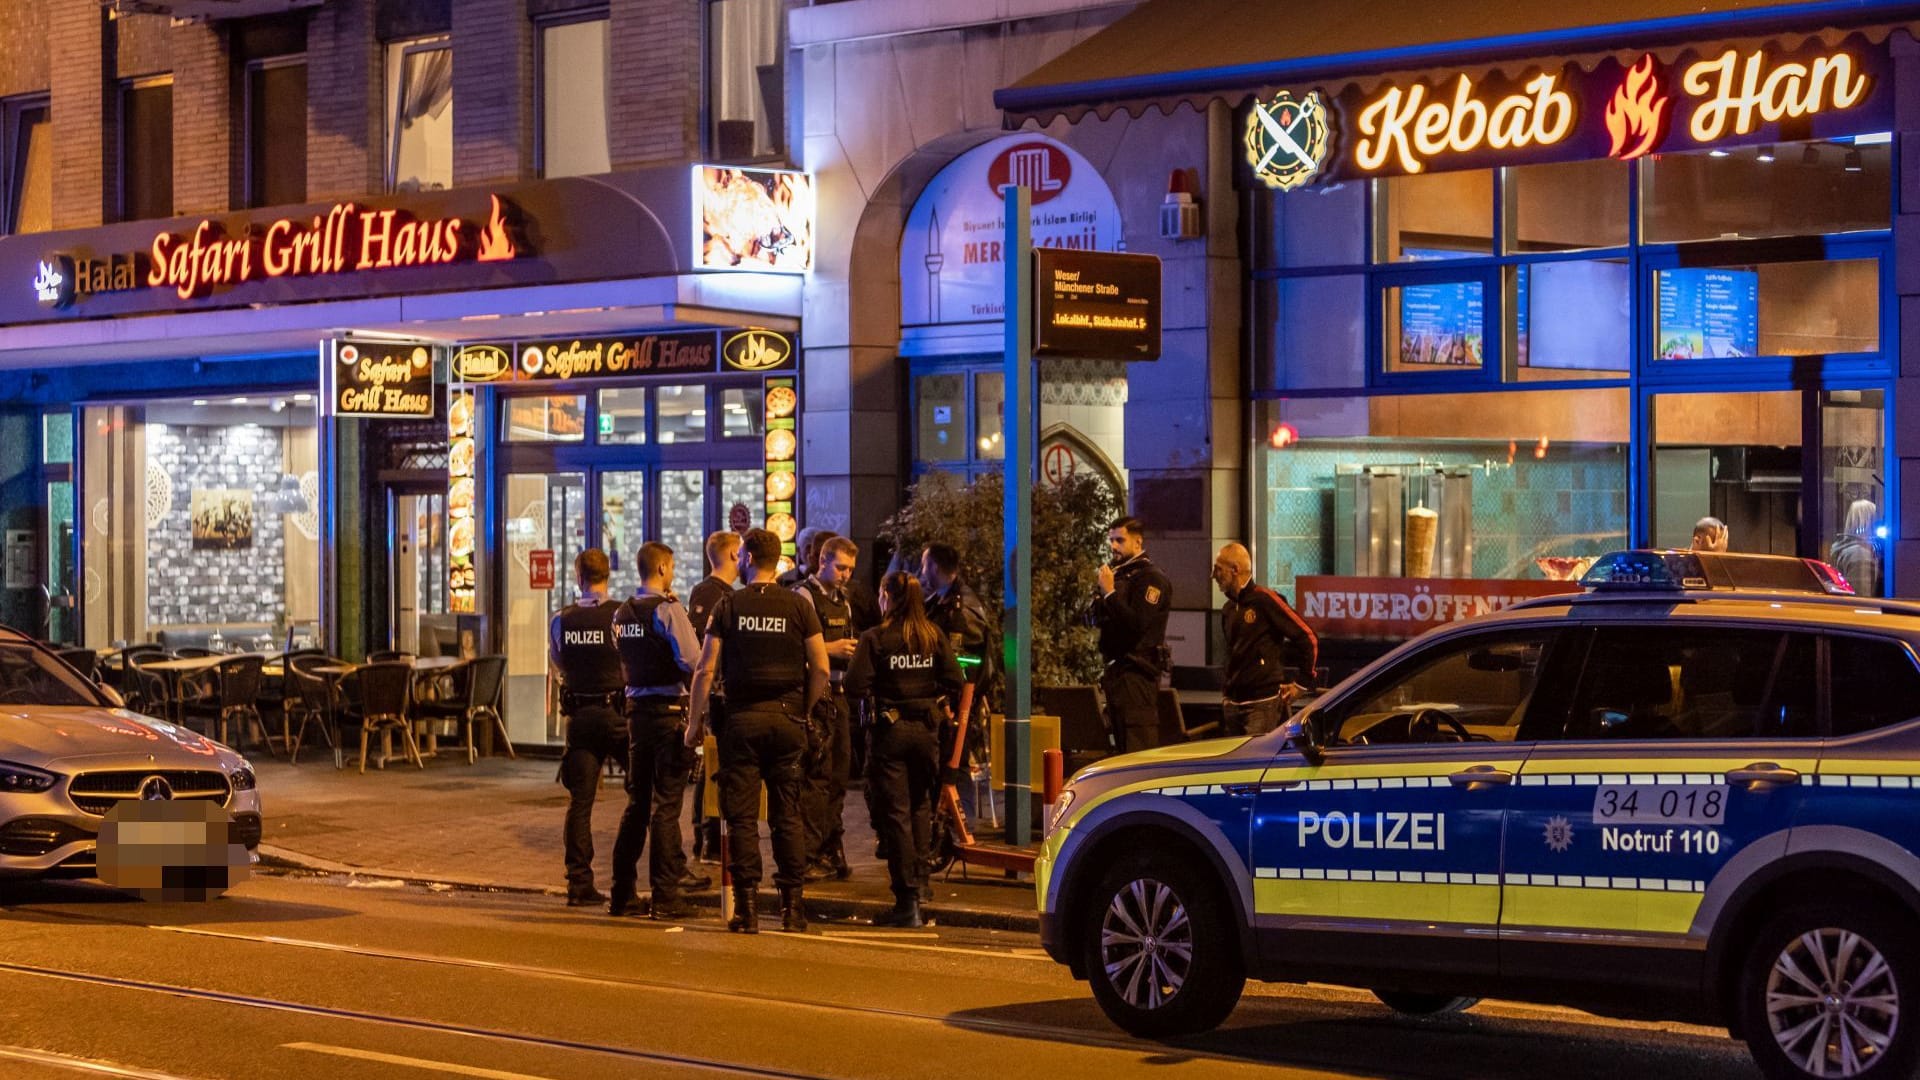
[{"x": 70, "y": 754}]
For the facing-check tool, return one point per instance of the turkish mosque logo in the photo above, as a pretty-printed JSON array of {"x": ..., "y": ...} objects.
[{"x": 1287, "y": 139}]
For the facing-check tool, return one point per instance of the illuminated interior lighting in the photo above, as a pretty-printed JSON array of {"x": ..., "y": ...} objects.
[
  {"x": 199, "y": 401},
  {"x": 238, "y": 401},
  {"x": 1878, "y": 138},
  {"x": 303, "y": 398},
  {"x": 1716, "y": 153},
  {"x": 1765, "y": 153}
]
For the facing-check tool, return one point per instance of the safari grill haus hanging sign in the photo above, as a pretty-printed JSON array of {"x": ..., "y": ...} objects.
[
  {"x": 344, "y": 239},
  {"x": 1623, "y": 108}
]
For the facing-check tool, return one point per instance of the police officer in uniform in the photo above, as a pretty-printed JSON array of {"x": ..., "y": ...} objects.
[
  {"x": 657, "y": 652},
  {"x": 592, "y": 689},
  {"x": 908, "y": 666},
  {"x": 765, "y": 643},
  {"x": 829, "y": 770},
  {"x": 953, "y": 608},
  {"x": 1270, "y": 649},
  {"x": 1131, "y": 612},
  {"x": 723, "y": 572}
]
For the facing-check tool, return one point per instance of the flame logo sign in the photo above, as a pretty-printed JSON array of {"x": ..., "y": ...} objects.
[
  {"x": 496, "y": 243},
  {"x": 1638, "y": 114}
]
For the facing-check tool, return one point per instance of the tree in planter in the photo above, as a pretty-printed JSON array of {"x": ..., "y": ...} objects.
[{"x": 1069, "y": 543}]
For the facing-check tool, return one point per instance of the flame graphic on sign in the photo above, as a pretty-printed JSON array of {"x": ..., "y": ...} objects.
[
  {"x": 1638, "y": 111},
  {"x": 496, "y": 244}
]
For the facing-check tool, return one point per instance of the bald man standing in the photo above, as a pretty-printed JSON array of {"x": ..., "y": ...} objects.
[{"x": 1269, "y": 647}]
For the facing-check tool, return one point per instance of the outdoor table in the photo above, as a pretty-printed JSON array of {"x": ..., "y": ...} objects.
[{"x": 427, "y": 665}]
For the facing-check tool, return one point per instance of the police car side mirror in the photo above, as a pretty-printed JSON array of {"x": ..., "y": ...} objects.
[{"x": 1300, "y": 736}]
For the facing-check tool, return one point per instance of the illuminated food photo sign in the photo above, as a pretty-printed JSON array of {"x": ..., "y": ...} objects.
[
  {"x": 1561, "y": 111},
  {"x": 752, "y": 219},
  {"x": 463, "y": 504},
  {"x": 782, "y": 399}
]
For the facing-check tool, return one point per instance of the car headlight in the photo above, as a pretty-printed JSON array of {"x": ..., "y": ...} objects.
[
  {"x": 1057, "y": 813},
  {"x": 243, "y": 779},
  {"x": 16, "y": 779}
]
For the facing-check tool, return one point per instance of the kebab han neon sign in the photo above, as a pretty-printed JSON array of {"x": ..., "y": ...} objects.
[
  {"x": 346, "y": 239},
  {"x": 1403, "y": 124},
  {"x": 1788, "y": 91}
]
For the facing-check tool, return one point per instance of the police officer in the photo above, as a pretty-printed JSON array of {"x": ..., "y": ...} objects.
[
  {"x": 657, "y": 651},
  {"x": 592, "y": 686},
  {"x": 808, "y": 545},
  {"x": 1131, "y": 612},
  {"x": 907, "y": 665},
  {"x": 1270, "y": 649},
  {"x": 723, "y": 572},
  {"x": 953, "y": 608},
  {"x": 828, "y": 770},
  {"x": 765, "y": 643}
]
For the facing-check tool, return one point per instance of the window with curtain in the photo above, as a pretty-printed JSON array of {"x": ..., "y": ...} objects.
[
  {"x": 29, "y": 167},
  {"x": 745, "y": 80},
  {"x": 277, "y": 131},
  {"x": 420, "y": 115},
  {"x": 146, "y": 149},
  {"x": 573, "y": 98}
]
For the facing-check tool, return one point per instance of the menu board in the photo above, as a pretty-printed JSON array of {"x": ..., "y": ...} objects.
[
  {"x": 1584, "y": 323},
  {"x": 782, "y": 451},
  {"x": 1443, "y": 324},
  {"x": 1708, "y": 314},
  {"x": 463, "y": 510}
]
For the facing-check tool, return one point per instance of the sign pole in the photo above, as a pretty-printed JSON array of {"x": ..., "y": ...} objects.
[{"x": 1018, "y": 425}]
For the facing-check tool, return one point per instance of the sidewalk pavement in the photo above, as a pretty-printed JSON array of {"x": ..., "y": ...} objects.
[{"x": 496, "y": 825}]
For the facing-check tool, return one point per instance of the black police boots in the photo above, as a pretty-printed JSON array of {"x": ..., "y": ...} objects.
[
  {"x": 793, "y": 914},
  {"x": 746, "y": 917},
  {"x": 625, "y": 901},
  {"x": 584, "y": 896},
  {"x": 905, "y": 914}
]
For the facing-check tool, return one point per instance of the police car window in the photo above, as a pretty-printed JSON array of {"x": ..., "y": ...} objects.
[
  {"x": 1874, "y": 684},
  {"x": 1481, "y": 684},
  {"x": 1696, "y": 682}
]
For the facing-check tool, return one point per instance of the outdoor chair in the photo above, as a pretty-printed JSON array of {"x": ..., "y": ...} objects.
[
  {"x": 1084, "y": 738},
  {"x": 377, "y": 699},
  {"x": 314, "y": 698},
  {"x": 225, "y": 695},
  {"x": 84, "y": 661},
  {"x": 1172, "y": 728},
  {"x": 1190, "y": 728},
  {"x": 145, "y": 691},
  {"x": 469, "y": 693}
]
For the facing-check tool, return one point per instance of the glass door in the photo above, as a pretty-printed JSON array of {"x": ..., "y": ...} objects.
[
  {"x": 1852, "y": 489},
  {"x": 539, "y": 512},
  {"x": 417, "y": 575}
]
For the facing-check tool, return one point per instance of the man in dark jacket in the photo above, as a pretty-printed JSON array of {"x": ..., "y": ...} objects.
[
  {"x": 1131, "y": 612},
  {"x": 1270, "y": 649}
]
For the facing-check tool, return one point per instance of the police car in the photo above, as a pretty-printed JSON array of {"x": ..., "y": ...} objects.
[{"x": 1690, "y": 792}]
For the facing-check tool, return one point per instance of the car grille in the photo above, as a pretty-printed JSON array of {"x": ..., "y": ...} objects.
[
  {"x": 30, "y": 837},
  {"x": 99, "y": 792}
]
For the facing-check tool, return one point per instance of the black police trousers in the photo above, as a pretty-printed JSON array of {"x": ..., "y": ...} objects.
[
  {"x": 658, "y": 761},
  {"x": 1133, "y": 707},
  {"x": 763, "y": 746},
  {"x": 903, "y": 769},
  {"x": 825, "y": 800},
  {"x": 594, "y": 734}
]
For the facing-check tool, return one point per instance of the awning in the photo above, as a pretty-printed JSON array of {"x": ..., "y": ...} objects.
[{"x": 1168, "y": 52}]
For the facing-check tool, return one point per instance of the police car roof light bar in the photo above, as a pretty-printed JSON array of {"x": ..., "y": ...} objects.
[{"x": 1657, "y": 570}]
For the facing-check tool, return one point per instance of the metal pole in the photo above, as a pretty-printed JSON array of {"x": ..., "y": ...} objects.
[{"x": 1019, "y": 430}]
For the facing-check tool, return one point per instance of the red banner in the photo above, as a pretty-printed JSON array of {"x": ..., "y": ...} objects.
[{"x": 1396, "y": 608}]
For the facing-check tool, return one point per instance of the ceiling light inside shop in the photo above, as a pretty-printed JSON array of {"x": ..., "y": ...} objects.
[
  {"x": 1765, "y": 153},
  {"x": 1853, "y": 161},
  {"x": 199, "y": 401},
  {"x": 238, "y": 401},
  {"x": 698, "y": 414},
  {"x": 302, "y": 398},
  {"x": 1716, "y": 153}
]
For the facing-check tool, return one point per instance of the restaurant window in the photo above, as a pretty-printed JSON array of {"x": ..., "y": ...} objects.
[
  {"x": 29, "y": 166},
  {"x": 199, "y": 522},
  {"x": 573, "y": 98},
  {"x": 1734, "y": 456},
  {"x": 1312, "y": 332},
  {"x": 420, "y": 115},
  {"x": 545, "y": 418},
  {"x": 746, "y": 80},
  {"x": 1767, "y": 309},
  {"x": 1567, "y": 206},
  {"x": 1852, "y": 495},
  {"x": 146, "y": 149},
  {"x": 1432, "y": 216},
  {"x": 1778, "y": 189},
  {"x": 1509, "y": 485},
  {"x": 1316, "y": 226},
  {"x": 742, "y": 412},
  {"x": 940, "y": 416},
  {"x": 276, "y": 108},
  {"x": 623, "y": 416},
  {"x": 681, "y": 413}
]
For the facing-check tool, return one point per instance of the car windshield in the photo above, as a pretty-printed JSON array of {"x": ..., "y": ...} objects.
[{"x": 31, "y": 676}]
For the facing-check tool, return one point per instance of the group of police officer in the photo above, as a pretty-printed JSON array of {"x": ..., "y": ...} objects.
[{"x": 770, "y": 665}]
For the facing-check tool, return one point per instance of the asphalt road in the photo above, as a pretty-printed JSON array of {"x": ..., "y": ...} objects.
[{"x": 310, "y": 978}]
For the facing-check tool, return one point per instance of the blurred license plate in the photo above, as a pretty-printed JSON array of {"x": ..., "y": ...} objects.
[{"x": 170, "y": 850}]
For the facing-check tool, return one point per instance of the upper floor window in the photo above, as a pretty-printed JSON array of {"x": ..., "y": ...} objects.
[
  {"x": 146, "y": 148},
  {"x": 573, "y": 98},
  {"x": 420, "y": 115},
  {"x": 746, "y": 80},
  {"x": 277, "y": 131},
  {"x": 29, "y": 166}
]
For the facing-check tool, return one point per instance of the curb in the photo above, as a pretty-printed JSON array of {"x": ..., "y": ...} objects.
[{"x": 820, "y": 906}]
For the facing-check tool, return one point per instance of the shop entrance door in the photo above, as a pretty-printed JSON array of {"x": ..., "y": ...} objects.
[
  {"x": 418, "y": 617},
  {"x": 544, "y": 512}
]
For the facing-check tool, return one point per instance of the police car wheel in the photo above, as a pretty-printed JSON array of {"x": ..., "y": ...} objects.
[
  {"x": 1159, "y": 953},
  {"x": 1411, "y": 1004},
  {"x": 1827, "y": 993}
]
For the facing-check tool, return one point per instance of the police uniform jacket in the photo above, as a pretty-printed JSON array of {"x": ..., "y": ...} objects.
[
  {"x": 1267, "y": 644},
  {"x": 835, "y": 608},
  {"x": 885, "y": 666},
  {"x": 960, "y": 615},
  {"x": 656, "y": 643},
  {"x": 1133, "y": 617},
  {"x": 581, "y": 643},
  {"x": 764, "y": 663},
  {"x": 701, "y": 601}
]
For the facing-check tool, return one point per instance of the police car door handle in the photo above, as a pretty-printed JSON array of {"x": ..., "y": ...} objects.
[
  {"x": 1763, "y": 772},
  {"x": 1481, "y": 774}
]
